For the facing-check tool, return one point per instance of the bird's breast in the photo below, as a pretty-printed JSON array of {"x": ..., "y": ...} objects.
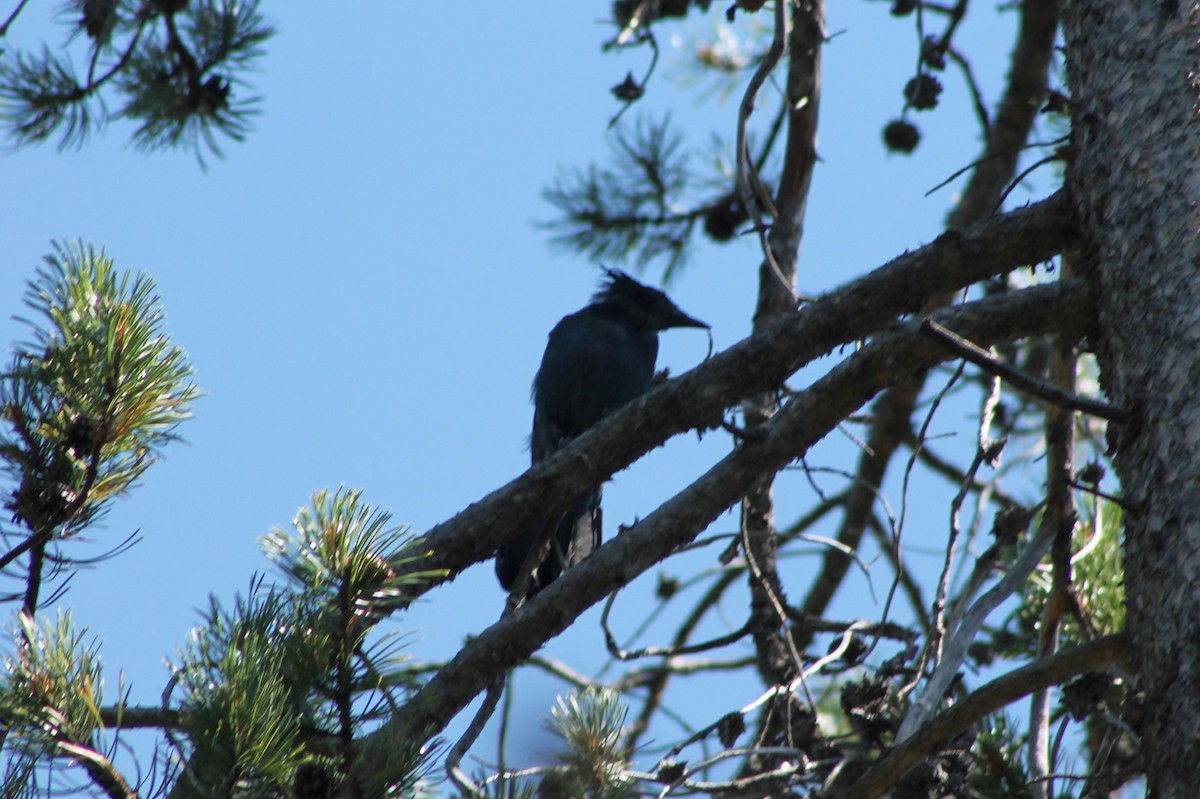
[{"x": 592, "y": 367}]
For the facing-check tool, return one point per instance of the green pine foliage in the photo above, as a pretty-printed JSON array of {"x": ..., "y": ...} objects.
[
  {"x": 87, "y": 404},
  {"x": 590, "y": 724},
  {"x": 999, "y": 754},
  {"x": 344, "y": 554},
  {"x": 175, "y": 69},
  {"x": 212, "y": 41},
  {"x": 243, "y": 677},
  {"x": 1099, "y": 569},
  {"x": 51, "y": 692},
  {"x": 91, "y": 400},
  {"x": 275, "y": 689},
  {"x": 1098, "y": 579},
  {"x": 628, "y": 209},
  {"x": 268, "y": 693}
]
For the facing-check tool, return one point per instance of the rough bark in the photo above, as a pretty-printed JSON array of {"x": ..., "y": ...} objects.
[
  {"x": 778, "y": 660},
  {"x": 1134, "y": 73}
]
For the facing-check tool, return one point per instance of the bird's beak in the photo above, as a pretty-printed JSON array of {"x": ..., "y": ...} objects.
[{"x": 680, "y": 319}]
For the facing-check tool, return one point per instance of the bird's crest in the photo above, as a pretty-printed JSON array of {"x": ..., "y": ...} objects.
[
  {"x": 648, "y": 305},
  {"x": 616, "y": 284}
]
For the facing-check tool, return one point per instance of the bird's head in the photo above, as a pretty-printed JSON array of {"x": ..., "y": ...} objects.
[{"x": 647, "y": 305}]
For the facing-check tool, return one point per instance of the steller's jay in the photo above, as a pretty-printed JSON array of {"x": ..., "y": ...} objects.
[{"x": 597, "y": 359}]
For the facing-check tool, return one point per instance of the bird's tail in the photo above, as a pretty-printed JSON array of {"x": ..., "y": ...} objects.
[{"x": 571, "y": 538}]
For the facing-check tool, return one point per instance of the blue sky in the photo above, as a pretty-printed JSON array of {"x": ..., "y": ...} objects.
[{"x": 365, "y": 296}]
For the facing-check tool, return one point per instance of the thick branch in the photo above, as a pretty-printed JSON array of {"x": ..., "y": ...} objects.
[
  {"x": 754, "y": 365},
  {"x": 1031, "y": 58},
  {"x": 1026, "y": 85},
  {"x": 800, "y": 424},
  {"x": 778, "y": 659},
  {"x": 134, "y": 718}
]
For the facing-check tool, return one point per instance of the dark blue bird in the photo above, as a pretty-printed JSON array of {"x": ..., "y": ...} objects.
[{"x": 597, "y": 360}]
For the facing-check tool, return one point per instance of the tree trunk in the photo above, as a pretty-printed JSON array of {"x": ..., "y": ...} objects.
[{"x": 1135, "y": 181}]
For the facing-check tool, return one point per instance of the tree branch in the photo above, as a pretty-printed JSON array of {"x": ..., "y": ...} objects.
[
  {"x": 134, "y": 718},
  {"x": 801, "y": 423},
  {"x": 1021, "y": 380},
  {"x": 755, "y": 365},
  {"x": 1014, "y": 120},
  {"x": 778, "y": 658},
  {"x": 991, "y": 697}
]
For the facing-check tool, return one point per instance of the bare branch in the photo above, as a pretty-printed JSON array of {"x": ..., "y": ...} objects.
[
  {"x": 617, "y": 652},
  {"x": 467, "y": 739},
  {"x": 136, "y": 718},
  {"x": 991, "y": 697},
  {"x": 1008, "y": 134},
  {"x": 16, "y": 12},
  {"x": 963, "y": 631},
  {"x": 1060, "y": 517},
  {"x": 1018, "y": 379},
  {"x": 100, "y": 769}
]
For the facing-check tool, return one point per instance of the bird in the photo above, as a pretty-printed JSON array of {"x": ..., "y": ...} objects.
[{"x": 596, "y": 360}]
